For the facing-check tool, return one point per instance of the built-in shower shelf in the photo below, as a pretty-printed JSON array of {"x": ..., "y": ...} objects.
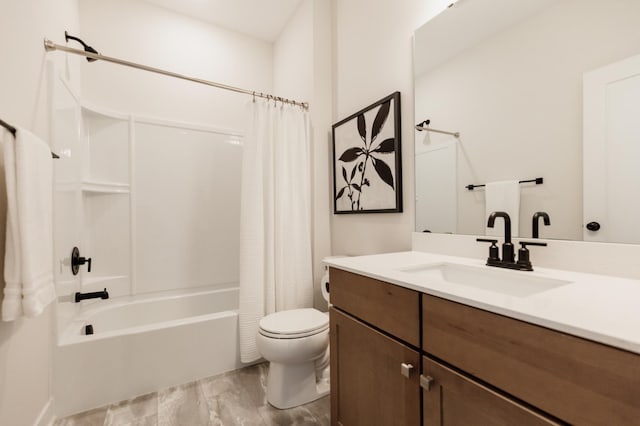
[
  {"x": 101, "y": 279},
  {"x": 93, "y": 187}
]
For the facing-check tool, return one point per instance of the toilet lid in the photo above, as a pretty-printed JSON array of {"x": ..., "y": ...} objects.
[{"x": 294, "y": 321}]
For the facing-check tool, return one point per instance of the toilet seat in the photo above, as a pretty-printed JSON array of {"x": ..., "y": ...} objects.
[{"x": 294, "y": 323}]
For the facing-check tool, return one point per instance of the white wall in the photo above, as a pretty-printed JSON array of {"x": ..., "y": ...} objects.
[
  {"x": 302, "y": 71},
  {"x": 372, "y": 48},
  {"x": 293, "y": 56},
  {"x": 25, "y": 345},
  {"x": 150, "y": 35},
  {"x": 146, "y": 34}
]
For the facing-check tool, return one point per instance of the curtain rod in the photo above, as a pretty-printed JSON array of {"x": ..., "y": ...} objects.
[
  {"x": 51, "y": 46},
  {"x": 8, "y": 126}
]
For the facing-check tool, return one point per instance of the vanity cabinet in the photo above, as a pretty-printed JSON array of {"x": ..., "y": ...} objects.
[
  {"x": 452, "y": 398},
  {"x": 367, "y": 384},
  {"x": 375, "y": 358},
  {"x": 573, "y": 379},
  {"x": 399, "y": 357}
]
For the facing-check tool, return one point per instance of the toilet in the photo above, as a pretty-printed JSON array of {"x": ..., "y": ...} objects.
[{"x": 296, "y": 344}]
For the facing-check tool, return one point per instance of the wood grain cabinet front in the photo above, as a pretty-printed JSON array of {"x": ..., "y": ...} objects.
[
  {"x": 453, "y": 399},
  {"x": 391, "y": 308},
  {"x": 573, "y": 379},
  {"x": 477, "y": 367},
  {"x": 374, "y": 378}
]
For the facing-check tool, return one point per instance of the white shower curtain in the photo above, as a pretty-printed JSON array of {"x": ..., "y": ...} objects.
[{"x": 275, "y": 219}]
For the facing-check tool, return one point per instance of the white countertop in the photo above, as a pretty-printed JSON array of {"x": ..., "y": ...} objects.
[{"x": 601, "y": 308}]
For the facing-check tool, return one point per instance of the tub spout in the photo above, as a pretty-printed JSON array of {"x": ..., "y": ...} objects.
[{"x": 104, "y": 294}]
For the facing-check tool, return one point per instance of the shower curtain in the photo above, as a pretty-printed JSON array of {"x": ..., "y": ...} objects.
[{"x": 275, "y": 218}]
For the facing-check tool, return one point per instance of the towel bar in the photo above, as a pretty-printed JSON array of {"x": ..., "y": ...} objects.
[
  {"x": 13, "y": 131},
  {"x": 538, "y": 181}
]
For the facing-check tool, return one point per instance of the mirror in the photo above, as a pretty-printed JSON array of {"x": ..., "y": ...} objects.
[{"x": 508, "y": 76}]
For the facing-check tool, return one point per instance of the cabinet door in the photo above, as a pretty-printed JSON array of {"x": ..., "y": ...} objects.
[
  {"x": 450, "y": 399},
  {"x": 573, "y": 379},
  {"x": 368, "y": 386}
]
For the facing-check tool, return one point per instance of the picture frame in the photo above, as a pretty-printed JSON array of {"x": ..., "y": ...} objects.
[{"x": 367, "y": 159}]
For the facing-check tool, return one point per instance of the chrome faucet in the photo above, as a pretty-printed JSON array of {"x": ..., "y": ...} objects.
[
  {"x": 508, "y": 255},
  {"x": 536, "y": 216}
]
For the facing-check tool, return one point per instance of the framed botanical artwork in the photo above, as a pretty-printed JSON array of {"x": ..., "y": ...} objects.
[{"x": 367, "y": 172}]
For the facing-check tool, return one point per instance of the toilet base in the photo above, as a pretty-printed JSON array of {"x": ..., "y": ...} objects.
[{"x": 290, "y": 385}]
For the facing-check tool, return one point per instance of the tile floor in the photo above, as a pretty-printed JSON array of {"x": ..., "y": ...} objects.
[{"x": 234, "y": 398}]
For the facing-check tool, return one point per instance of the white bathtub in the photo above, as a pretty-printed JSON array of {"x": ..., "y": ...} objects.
[{"x": 145, "y": 343}]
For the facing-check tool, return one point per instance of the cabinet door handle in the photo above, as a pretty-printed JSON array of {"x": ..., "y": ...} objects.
[
  {"x": 405, "y": 369},
  {"x": 426, "y": 382}
]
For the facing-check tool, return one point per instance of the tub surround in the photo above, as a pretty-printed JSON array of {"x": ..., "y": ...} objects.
[{"x": 601, "y": 308}]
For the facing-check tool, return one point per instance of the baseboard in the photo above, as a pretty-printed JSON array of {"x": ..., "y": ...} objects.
[{"x": 46, "y": 416}]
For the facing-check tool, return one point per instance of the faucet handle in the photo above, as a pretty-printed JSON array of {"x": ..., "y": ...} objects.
[
  {"x": 523, "y": 254},
  {"x": 524, "y": 244},
  {"x": 493, "y": 250},
  {"x": 487, "y": 240}
]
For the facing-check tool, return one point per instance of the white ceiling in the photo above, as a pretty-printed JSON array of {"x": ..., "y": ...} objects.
[{"x": 263, "y": 19}]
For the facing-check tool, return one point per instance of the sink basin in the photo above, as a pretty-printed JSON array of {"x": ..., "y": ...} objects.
[{"x": 512, "y": 283}]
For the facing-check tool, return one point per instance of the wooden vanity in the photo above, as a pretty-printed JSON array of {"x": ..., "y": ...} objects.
[{"x": 402, "y": 357}]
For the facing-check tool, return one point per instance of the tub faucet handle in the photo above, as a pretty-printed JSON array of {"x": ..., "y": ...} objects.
[
  {"x": 77, "y": 261},
  {"x": 82, "y": 261}
]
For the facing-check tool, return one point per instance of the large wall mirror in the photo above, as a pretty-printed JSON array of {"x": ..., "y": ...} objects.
[{"x": 536, "y": 89}]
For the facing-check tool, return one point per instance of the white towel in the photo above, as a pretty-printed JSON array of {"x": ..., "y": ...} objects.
[
  {"x": 503, "y": 196},
  {"x": 28, "y": 260}
]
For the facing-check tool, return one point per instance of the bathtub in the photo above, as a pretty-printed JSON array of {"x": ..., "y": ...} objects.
[{"x": 144, "y": 343}]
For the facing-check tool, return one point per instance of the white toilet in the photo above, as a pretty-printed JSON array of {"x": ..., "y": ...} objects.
[{"x": 296, "y": 344}]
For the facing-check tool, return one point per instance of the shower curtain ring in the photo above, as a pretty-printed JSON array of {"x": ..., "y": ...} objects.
[{"x": 254, "y": 97}]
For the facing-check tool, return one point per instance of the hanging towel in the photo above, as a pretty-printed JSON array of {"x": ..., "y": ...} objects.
[
  {"x": 503, "y": 196},
  {"x": 28, "y": 260}
]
